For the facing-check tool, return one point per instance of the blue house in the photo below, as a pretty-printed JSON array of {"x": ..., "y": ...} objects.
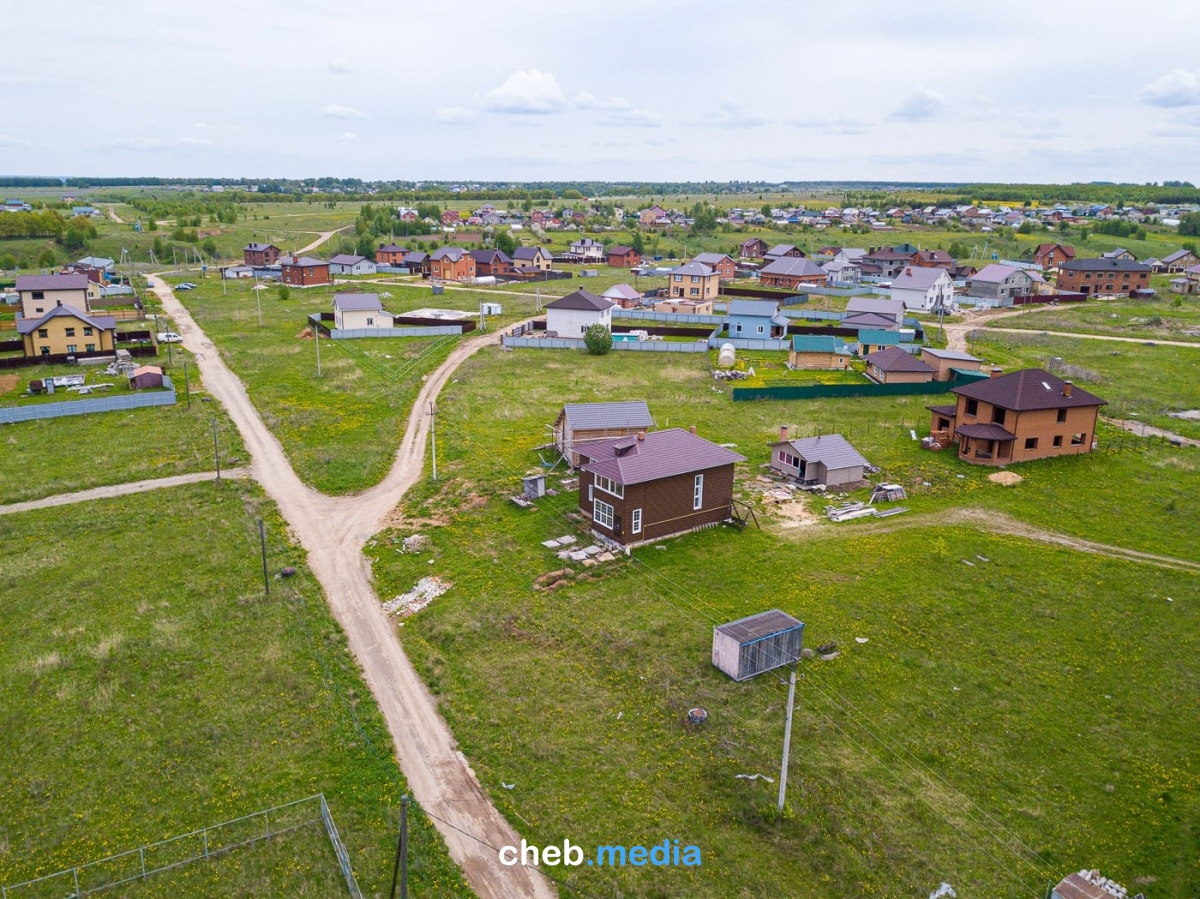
[{"x": 756, "y": 320}]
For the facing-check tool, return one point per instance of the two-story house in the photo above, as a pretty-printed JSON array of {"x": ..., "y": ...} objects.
[
  {"x": 451, "y": 264},
  {"x": 693, "y": 281}
]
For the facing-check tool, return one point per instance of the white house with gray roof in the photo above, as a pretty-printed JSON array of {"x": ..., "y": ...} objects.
[
  {"x": 356, "y": 311},
  {"x": 924, "y": 289},
  {"x": 572, "y": 315}
]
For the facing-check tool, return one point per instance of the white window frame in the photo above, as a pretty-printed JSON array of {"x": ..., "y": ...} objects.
[
  {"x": 635, "y": 526},
  {"x": 698, "y": 492},
  {"x": 600, "y": 515},
  {"x": 609, "y": 486}
]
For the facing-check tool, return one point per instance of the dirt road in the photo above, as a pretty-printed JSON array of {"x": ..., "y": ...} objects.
[
  {"x": 333, "y": 531},
  {"x": 1144, "y": 430},
  {"x": 322, "y": 236},
  {"x": 82, "y": 496}
]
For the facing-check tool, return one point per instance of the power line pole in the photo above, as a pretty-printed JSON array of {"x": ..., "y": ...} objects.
[
  {"x": 187, "y": 392},
  {"x": 401, "y": 864},
  {"x": 317, "y": 336},
  {"x": 787, "y": 737},
  {"x": 216, "y": 449},
  {"x": 433, "y": 435},
  {"x": 262, "y": 539}
]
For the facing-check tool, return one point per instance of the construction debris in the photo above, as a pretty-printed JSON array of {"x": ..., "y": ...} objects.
[{"x": 426, "y": 591}]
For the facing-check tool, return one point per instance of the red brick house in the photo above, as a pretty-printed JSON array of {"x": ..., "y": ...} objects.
[
  {"x": 492, "y": 262},
  {"x": 1108, "y": 277},
  {"x": 1029, "y": 414},
  {"x": 1052, "y": 255},
  {"x": 451, "y": 217},
  {"x": 624, "y": 257},
  {"x": 260, "y": 254},
  {"x": 721, "y": 263},
  {"x": 452, "y": 264},
  {"x": 654, "y": 485},
  {"x": 390, "y": 254},
  {"x": 753, "y": 248},
  {"x": 933, "y": 259},
  {"x": 785, "y": 251},
  {"x": 304, "y": 271}
]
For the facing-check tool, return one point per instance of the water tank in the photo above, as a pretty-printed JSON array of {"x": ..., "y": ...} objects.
[{"x": 726, "y": 355}]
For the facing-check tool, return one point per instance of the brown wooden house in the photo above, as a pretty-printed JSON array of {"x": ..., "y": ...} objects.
[
  {"x": 260, "y": 254},
  {"x": 753, "y": 248},
  {"x": 1029, "y": 414},
  {"x": 654, "y": 485},
  {"x": 304, "y": 271}
]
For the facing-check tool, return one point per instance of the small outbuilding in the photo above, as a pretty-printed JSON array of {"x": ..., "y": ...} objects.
[
  {"x": 827, "y": 460},
  {"x": 581, "y": 423},
  {"x": 757, "y": 643},
  {"x": 145, "y": 377}
]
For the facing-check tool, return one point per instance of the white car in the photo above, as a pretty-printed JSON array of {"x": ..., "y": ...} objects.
[{"x": 169, "y": 337}]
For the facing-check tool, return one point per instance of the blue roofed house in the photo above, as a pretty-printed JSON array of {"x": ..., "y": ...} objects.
[
  {"x": 819, "y": 352},
  {"x": 756, "y": 320},
  {"x": 872, "y": 340}
]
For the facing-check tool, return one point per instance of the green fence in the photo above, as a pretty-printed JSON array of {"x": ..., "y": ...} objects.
[{"x": 867, "y": 388}]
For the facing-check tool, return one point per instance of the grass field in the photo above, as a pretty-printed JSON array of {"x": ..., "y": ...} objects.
[
  {"x": 1155, "y": 318},
  {"x": 151, "y": 689},
  {"x": 1038, "y": 686}
]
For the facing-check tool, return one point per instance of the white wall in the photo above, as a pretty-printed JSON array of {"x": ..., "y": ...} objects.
[{"x": 573, "y": 322}]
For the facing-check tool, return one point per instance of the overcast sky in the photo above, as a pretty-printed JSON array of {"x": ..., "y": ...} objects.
[{"x": 1052, "y": 90}]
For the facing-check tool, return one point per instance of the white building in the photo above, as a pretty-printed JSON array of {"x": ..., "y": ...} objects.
[
  {"x": 574, "y": 313},
  {"x": 587, "y": 250},
  {"x": 355, "y": 311},
  {"x": 924, "y": 289},
  {"x": 345, "y": 264}
]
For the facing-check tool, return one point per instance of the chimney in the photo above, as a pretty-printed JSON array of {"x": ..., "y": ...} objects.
[
  {"x": 1068, "y": 387},
  {"x": 295, "y": 260},
  {"x": 782, "y": 433},
  {"x": 691, "y": 429},
  {"x": 996, "y": 371},
  {"x": 641, "y": 435}
]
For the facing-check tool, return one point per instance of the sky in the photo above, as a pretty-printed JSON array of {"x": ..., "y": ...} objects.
[{"x": 665, "y": 90}]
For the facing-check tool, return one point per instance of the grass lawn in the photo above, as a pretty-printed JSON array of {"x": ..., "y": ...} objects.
[
  {"x": 151, "y": 689},
  {"x": 1049, "y": 691},
  {"x": 1155, "y": 318},
  {"x": 340, "y": 430},
  {"x": 1140, "y": 382}
]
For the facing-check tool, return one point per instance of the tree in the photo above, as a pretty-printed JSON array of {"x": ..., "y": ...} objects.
[
  {"x": 8, "y": 260},
  {"x": 598, "y": 339},
  {"x": 571, "y": 194},
  {"x": 506, "y": 243},
  {"x": 959, "y": 250},
  {"x": 1189, "y": 225},
  {"x": 366, "y": 246},
  {"x": 209, "y": 246},
  {"x": 766, "y": 210},
  {"x": 638, "y": 243},
  {"x": 46, "y": 257},
  {"x": 1026, "y": 227}
]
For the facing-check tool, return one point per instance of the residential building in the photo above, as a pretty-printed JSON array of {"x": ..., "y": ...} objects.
[
  {"x": 65, "y": 330},
  {"x": 533, "y": 259},
  {"x": 890, "y": 311},
  {"x": 1119, "y": 253},
  {"x": 820, "y": 352},
  {"x": 358, "y": 311},
  {"x": 655, "y": 485},
  {"x": 685, "y": 307},
  {"x": 756, "y": 320},
  {"x": 693, "y": 281},
  {"x": 452, "y": 264},
  {"x": 893, "y": 365},
  {"x": 784, "y": 251},
  {"x": 623, "y": 295},
  {"x": 492, "y": 263},
  {"x": 999, "y": 284},
  {"x": 391, "y": 254},
  {"x": 885, "y": 262},
  {"x": 351, "y": 264},
  {"x": 924, "y": 289},
  {"x": 948, "y": 362},
  {"x": 1174, "y": 263},
  {"x": 933, "y": 259},
  {"x": 1108, "y": 277},
  {"x": 872, "y": 340},
  {"x": 303, "y": 271},
  {"x": 417, "y": 262},
  {"x": 260, "y": 254},
  {"x": 721, "y": 263},
  {"x": 790, "y": 273},
  {"x": 41, "y": 293},
  {"x": 451, "y": 217},
  {"x": 827, "y": 460},
  {"x": 1052, "y": 255},
  {"x": 624, "y": 257},
  {"x": 753, "y": 248},
  {"x": 579, "y": 424},
  {"x": 586, "y": 250},
  {"x": 572, "y": 315},
  {"x": 1029, "y": 414}
]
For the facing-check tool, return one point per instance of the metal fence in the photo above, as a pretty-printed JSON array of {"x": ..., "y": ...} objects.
[
  {"x": 830, "y": 391},
  {"x": 138, "y": 400},
  {"x": 636, "y": 346},
  {"x": 359, "y": 333},
  {"x": 679, "y": 318},
  {"x": 175, "y": 852}
]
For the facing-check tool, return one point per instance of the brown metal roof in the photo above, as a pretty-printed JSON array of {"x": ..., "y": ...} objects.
[
  {"x": 755, "y": 627},
  {"x": 986, "y": 431},
  {"x": 1030, "y": 388},
  {"x": 660, "y": 454},
  {"x": 100, "y": 322},
  {"x": 1073, "y": 886},
  {"x": 893, "y": 358},
  {"x": 949, "y": 411},
  {"x": 582, "y": 299}
]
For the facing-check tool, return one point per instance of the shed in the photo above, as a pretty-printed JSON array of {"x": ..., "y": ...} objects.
[
  {"x": 145, "y": 377},
  {"x": 755, "y": 644}
]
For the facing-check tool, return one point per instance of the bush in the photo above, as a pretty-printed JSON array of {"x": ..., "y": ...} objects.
[
  {"x": 598, "y": 339},
  {"x": 284, "y": 292}
]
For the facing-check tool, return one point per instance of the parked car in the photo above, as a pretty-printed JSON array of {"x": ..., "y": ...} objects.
[
  {"x": 185, "y": 285},
  {"x": 169, "y": 337}
]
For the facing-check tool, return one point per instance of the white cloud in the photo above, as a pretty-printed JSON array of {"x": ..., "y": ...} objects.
[
  {"x": 338, "y": 66},
  {"x": 156, "y": 144},
  {"x": 455, "y": 115},
  {"x": 334, "y": 111},
  {"x": 526, "y": 93},
  {"x": 619, "y": 111},
  {"x": 347, "y": 137},
  {"x": 7, "y": 140},
  {"x": 1179, "y": 88},
  {"x": 583, "y": 100},
  {"x": 921, "y": 105}
]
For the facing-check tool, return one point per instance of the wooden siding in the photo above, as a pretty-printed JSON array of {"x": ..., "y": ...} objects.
[{"x": 666, "y": 505}]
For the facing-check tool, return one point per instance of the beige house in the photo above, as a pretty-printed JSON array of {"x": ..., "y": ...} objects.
[
  {"x": 693, "y": 281},
  {"x": 67, "y": 331},
  {"x": 359, "y": 311},
  {"x": 893, "y": 365},
  {"x": 819, "y": 352},
  {"x": 685, "y": 307},
  {"x": 534, "y": 258},
  {"x": 41, "y": 293},
  {"x": 945, "y": 361}
]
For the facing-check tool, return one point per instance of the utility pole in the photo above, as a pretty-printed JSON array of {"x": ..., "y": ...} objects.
[
  {"x": 258, "y": 299},
  {"x": 401, "y": 864},
  {"x": 539, "y": 299},
  {"x": 216, "y": 449},
  {"x": 262, "y": 539},
  {"x": 787, "y": 737},
  {"x": 433, "y": 435},
  {"x": 317, "y": 336},
  {"x": 186, "y": 390}
]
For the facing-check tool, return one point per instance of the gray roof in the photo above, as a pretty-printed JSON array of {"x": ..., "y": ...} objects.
[
  {"x": 994, "y": 273},
  {"x": 528, "y": 252},
  {"x": 661, "y": 454},
  {"x": 490, "y": 257},
  {"x": 582, "y": 299},
  {"x": 598, "y": 416},
  {"x": 259, "y": 247},
  {"x": 780, "y": 249},
  {"x": 1170, "y": 257},
  {"x": 869, "y": 321},
  {"x": 302, "y": 262},
  {"x": 1104, "y": 265},
  {"x": 754, "y": 308},
  {"x": 952, "y": 355},
  {"x": 452, "y": 253},
  {"x": 917, "y": 278},
  {"x": 106, "y": 262},
  {"x": 831, "y": 450},
  {"x": 755, "y": 627},
  {"x": 357, "y": 302},
  {"x": 624, "y": 291},
  {"x": 347, "y": 259},
  {"x": 790, "y": 265},
  {"x": 894, "y": 308},
  {"x": 893, "y": 358},
  {"x": 52, "y": 282},
  {"x": 101, "y": 322},
  {"x": 710, "y": 259},
  {"x": 693, "y": 268}
]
